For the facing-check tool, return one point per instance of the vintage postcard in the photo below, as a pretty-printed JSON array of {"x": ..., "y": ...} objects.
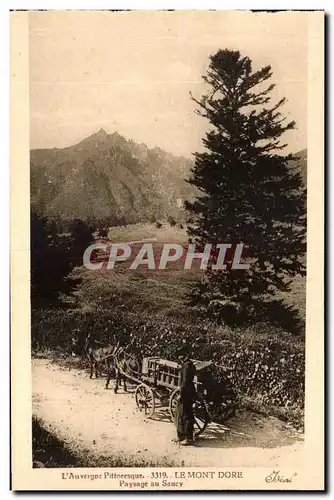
[{"x": 167, "y": 250}]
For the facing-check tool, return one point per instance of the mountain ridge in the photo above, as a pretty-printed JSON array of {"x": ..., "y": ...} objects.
[
  {"x": 107, "y": 176},
  {"x": 116, "y": 177}
]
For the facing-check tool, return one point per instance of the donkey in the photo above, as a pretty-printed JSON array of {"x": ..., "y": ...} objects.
[
  {"x": 122, "y": 364},
  {"x": 96, "y": 352}
]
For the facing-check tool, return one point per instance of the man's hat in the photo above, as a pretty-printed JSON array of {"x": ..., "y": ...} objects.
[{"x": 183, "y": 352}]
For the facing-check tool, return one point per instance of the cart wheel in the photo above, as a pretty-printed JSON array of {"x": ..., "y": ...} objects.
[
  {"x": 173, "y": 400},
  {"x": 145, "y": 399},
  {"x": 201, "y": 415}
]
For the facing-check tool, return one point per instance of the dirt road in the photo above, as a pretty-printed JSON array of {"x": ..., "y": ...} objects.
[{"x": 97, "y": 424}]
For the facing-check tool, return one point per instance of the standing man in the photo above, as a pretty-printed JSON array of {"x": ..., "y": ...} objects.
[{"x": 184, "y": 415}]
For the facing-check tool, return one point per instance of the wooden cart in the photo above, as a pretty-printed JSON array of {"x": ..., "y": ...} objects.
[{"x": 159, "y": 386}]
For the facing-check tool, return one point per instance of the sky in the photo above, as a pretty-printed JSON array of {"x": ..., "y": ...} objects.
[{"x": 132, "y": 72}]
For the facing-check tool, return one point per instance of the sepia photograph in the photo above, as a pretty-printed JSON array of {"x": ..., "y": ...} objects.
[{"x": 168, "y": 191}]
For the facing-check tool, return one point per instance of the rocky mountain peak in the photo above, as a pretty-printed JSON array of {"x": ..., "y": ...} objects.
[
  {"x": 102, "y": 132},
  {"x": 105, "y": 175}
]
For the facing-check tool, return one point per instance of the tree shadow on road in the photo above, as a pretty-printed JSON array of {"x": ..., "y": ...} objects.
[{"x": 246, "y": 429}]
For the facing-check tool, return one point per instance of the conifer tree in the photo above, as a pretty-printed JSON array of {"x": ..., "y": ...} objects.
[{"x": 248, "y": 191}]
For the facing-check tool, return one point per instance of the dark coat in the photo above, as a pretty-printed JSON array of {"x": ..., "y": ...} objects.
[
  {"x": 184, "y": 416},
  {"x": 187, "y": 374}
]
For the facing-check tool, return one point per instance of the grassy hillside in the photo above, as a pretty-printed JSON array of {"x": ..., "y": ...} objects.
[{"x": 159, "y": 291}]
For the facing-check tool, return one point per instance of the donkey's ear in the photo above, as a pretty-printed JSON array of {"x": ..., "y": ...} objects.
[
  {"x": 116, "y": 348},
  {"x": 120, "y": 350}
]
